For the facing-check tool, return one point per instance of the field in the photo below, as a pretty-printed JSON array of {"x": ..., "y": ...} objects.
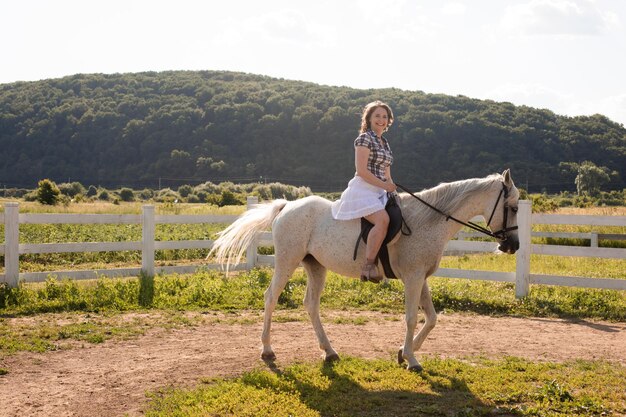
[{"x": 188, "y": 345}]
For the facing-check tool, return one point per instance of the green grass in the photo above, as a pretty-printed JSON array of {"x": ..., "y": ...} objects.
[
  {"x": 48, "y": 337},
  {"x": 541, "y": 264},
  {"x": 447, "y": 387},
  {"x": 210, "y": 290},
  {"x": 49, "y": 332},
  {"x": 94, "y": 305}
]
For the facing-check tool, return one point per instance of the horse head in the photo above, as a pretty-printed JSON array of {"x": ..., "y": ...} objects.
[{"x": 503, "y": 215}]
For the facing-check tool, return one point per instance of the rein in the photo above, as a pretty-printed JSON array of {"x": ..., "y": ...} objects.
[{"x": 500, "y": 234}]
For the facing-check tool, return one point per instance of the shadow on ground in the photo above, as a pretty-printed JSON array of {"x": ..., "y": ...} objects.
[{"x": 337, "y": 392}]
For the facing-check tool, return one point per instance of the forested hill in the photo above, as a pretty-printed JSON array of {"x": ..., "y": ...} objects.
[{"x": 191, "y": 127}]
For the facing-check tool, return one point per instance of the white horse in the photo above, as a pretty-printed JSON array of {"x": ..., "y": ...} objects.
[{"x": 305, "y": 233}]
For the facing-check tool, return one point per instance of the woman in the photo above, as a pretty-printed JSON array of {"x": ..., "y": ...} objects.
[{"x": 366, "y": 194}]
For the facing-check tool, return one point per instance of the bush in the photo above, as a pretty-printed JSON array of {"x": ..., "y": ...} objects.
[
  {"x": 185, "y": 190},
  {"x": 166, "y": 195},
  {"x": 47, "y": 192},
  {"x": 103, "y": 195},
  {"x": 92, "y": 191},
  {"x": 207, "y": 187},
  {"x": 14, "y": 192},
  {"x": 230, "y": 186},
  {"x": 192, "y": 198},
  {"x": 71, "y": 189},
  {"x": 64, "y": 200},
  {"x": 542, "y": 204},
  {"x": 613, "y": 198},
  {"x": 126, "y": 194},
  {"x": 229, "y": 199},
  {"x": 582, "y": 201},
  {"x": 32, "y": 196},
  {"x": 214, "y": 199},
  {"x": 277, "y": 190},
  {"x": 202, "y": 196},
  {"x": 79, "y": 198},
  {"x": 146, "y": 194}
]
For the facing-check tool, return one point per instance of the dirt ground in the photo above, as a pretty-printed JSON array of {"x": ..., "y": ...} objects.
[{"x": 112, "y": 378}]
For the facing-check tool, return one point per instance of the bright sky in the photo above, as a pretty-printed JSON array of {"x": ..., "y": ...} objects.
[{"x": 565, "y": 55}]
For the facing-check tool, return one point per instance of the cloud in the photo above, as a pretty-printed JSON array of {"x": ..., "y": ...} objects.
[
  {"x": 454, "y": 8},
  {"x": 568, "y": 104},
  {"x": 567, "y": 18},
  {"x": 280, "y": 27},
  {"x": 530, "y": 94},
  {"x": 613, "y": 107},
  {"x": 395, "y": 21}
]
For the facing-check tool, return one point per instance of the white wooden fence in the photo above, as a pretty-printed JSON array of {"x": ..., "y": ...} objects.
[{"x": 521, "y": 277}]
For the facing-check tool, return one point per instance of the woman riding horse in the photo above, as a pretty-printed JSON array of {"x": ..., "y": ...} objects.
[
  {"x": 305, "y": 233},
  {"x": 367, "y": 192}
]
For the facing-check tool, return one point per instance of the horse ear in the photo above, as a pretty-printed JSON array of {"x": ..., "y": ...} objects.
[{"x": 507, "y": 177}]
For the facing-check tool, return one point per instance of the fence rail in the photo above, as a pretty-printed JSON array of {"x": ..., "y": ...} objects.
[
  {"x": 12, "y": 249},
  {"x": 594, "y": 238},
  {"x": 522, "y": 277}
]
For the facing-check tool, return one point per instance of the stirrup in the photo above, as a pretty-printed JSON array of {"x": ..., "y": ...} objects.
[{"x": 370, "y": 273}]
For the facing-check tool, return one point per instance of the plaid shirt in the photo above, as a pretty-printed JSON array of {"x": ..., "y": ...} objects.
[{"x": 380, "y": 155}]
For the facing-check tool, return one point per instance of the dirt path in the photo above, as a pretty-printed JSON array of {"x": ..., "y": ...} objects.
[{"x": 111, "y": 379}]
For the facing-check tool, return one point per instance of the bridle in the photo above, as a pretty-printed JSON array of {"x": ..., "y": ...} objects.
[{"x": 500, "y": 234}]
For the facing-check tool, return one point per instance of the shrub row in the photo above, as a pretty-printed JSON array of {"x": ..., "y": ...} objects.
[{"x": 222, "y": 194}]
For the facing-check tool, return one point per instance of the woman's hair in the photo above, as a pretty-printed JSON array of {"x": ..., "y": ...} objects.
[{"x": 367, "y": 113}]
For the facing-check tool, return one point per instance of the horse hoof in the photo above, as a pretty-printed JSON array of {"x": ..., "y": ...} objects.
[
  {"x": 268, "y": 357},
  {"x": 415, "y": 368},
  {"x": 400, "y": 357},
  {"x": 333, "y": 357}
]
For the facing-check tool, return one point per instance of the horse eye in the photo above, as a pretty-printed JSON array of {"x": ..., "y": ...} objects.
[{"x": 514, "y": 209}]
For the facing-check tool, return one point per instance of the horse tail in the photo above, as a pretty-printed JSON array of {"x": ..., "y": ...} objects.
[{"x": 235, "y": 239}]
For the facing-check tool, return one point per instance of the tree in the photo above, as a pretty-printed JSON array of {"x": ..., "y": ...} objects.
[
  {"x": 591, "y": 178},
  {"x": 133, "y": 128},
  {"x": 47, "y": 192}
]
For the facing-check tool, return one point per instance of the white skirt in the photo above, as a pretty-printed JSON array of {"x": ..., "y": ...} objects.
[{"x": 358, "y": 200}]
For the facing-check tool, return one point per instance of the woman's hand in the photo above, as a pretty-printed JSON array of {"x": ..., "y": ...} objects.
[{"x": 390, "y": 187}]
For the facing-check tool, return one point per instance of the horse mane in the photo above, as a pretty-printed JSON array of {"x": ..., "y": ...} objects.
[{"x": 447, "y": 197}]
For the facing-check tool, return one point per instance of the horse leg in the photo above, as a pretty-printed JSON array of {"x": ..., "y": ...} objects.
[
  {"x": 426, "y": 302},
  {"x": 282, "y": 272},
  {"x": 315, "y": 285},
  {"x": 412, "y": 291}
]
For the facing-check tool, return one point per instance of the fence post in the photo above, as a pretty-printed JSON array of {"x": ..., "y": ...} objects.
[
  {"x": 251, "y": 252},
  {"x": 594, "y": 240},
  {"x": 12, "y": 243},
  {"x": 147, "y": 240},
  {"x": 522, "y": 260}
]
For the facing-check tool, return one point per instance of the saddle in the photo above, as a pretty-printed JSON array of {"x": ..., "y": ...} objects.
[{"x": 396, "y": 225}]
